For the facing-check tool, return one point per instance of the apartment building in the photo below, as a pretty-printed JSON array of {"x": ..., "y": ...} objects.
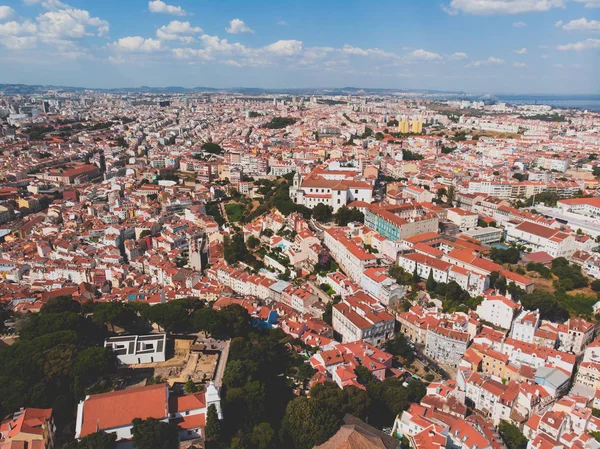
[
  {"x": 497, "y": 310},
  {"x": 464, "y": 219},
  {"x": 445, "y": 344},
  {"x": 541, "y": 238},
  {"x": 351, "y": 257},
  {"x": 361, "y": 317},
  {"x": 378, "y": 284},
  {"x": 394, "y": 227},
  {"x": 525, "y": 325}
]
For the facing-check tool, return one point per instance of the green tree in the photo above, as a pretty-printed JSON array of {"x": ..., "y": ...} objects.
[
  {"x": 441, "y": 193},
  {"x": 235, "y": 249},
  {"x": 91, "y": 361},
  {"x": 207, "y": 320},
  {"x": 450, "y": 194},
  {"x": 512, "y": 436},
  {"x": 322, "y": 212},
  {"x": 357, "y": 402},
  {"x": 61, "y": 304},
  {"x": 97, "y": 440},
  {"x": 415, "y": 276},
  {"x": 550, "y": 308},
  {"x": 416, "y": 390},
  {"x": 363, "y": 375},
  {"x": 345, "y": 215},
  {"x": 500, "y": 285},
  {"x": 253, "y": 242},
  {"x": 213, "y": 425},
  {"x": 151, "y": 433},
  {"x": 212, "y": 148},
  {"x": 400, "y": 346},
  {"x": 113, "y": 313},
  {"x": 430, "y": 285},
  {"x": 307, "y": 423},
  {"x": 190, "y": 387},
  {"x": 509, "y": 255},
  {"x": 169, "y": 316},
  {"x": 263, "y": 436}
]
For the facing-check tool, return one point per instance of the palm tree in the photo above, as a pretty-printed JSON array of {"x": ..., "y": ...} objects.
[
  {"x": 451, "y": 195},
  {"x": 441, "y": 193}
]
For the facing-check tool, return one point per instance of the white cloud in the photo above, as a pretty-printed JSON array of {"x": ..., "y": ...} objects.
[
  {"x": 580, "y": 46},
  {"x": 582, "y": 25},
  {"x": 285, "y": 47},
  {"x": 282, "y": 23},
  {"x": 48, "y": 4},
  {"x": 489, "y": 7},
  {"x": 6, "y": 12},
  {"x": 519, "y": 24},
  {"x": 544, "y": 56},
  {"x": 70, "y": 23},
  {"x": 160, "y": 7},
  {"x": 18, "y": 36},
  {"x": 458, "y": 56},
  {"x": 17, "y": 29},
  {"x": 489, "y": 61},
  {"x": 521, "y": 51},
  {"x": 215, "y": 44},
  {"x": 589, "y": 3},
  {"x": 18, "y": 42},
  {"x": 137, "y": 44},
  {"x": 357, "y": 51},
  {"x": 186, "y": 53},
  {"x": 237, "y": 26},
  {"x": 177, "y": 31},
  {"x": 423, "y": 55},
  {"x": 519, "y": 65},
  {"x": 558, "y": 24}
]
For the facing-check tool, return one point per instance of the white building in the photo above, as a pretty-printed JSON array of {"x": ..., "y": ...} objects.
[
  {"x": 352, "y": 258},
  {"x": 497, "y": 310},
  {"x": 525, "y": 326},
  {"x": 462, "y": 218},
  {"x": 138, "y": 349},
  {"x": 541, "y": 238},
  {"x": 583, "y": 206},
  {"x": 378, "y": 284},
  {"x": 114, "y": 412},
  {"x": 332, "y": 192}
]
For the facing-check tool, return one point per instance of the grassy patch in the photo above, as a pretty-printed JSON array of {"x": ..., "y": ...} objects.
[{"x": 234, "y": 211}]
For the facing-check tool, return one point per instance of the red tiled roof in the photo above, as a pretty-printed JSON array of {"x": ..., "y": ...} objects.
[{"x": 100, "y": 410}]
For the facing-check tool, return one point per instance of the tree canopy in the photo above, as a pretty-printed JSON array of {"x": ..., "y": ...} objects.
[
  {"x": 151, "y": 433},
  {"x": 345, "y": 215}
]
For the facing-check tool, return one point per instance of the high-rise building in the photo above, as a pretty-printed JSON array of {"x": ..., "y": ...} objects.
[
  {"x": 403, "y": 126},
  {"x": 417, "y": 126}
]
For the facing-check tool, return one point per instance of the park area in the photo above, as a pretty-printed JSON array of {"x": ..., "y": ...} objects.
[{"x": 234, "y": 211}]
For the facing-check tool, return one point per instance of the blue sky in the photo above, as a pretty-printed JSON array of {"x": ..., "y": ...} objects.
[{"x": 498, "y": 46}]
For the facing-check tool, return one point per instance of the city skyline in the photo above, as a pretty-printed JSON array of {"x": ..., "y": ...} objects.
[{"x": 499, "y": 46}]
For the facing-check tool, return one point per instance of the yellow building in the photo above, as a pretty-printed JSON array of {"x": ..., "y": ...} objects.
[
  {"x": 417, "y": 126},
  {"x": 403, "y": 127},
  {"x": 28, "y": 203}
]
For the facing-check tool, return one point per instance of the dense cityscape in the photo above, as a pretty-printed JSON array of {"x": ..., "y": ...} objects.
[{"x": 288, "y": 271}]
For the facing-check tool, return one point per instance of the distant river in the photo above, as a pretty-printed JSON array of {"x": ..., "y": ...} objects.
[{"x": 589, "y": 102}]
